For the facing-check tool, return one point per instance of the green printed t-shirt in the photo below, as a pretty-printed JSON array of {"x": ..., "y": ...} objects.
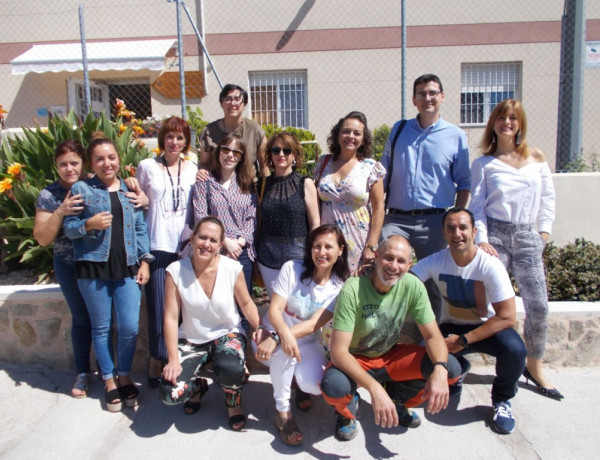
[{"x": 376, "y": 319}]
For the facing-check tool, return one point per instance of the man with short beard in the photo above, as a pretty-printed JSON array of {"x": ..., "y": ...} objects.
[{"x": 367, "y": 322}]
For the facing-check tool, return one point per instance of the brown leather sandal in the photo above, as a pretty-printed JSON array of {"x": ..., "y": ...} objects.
[{"x": 286, "y": 429}]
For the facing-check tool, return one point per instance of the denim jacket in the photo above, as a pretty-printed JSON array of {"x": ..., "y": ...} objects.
[{"x": 94, "y": 246}]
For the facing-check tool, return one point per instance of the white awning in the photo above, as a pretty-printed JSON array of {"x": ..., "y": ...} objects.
[{"x": 120, "y": 55}]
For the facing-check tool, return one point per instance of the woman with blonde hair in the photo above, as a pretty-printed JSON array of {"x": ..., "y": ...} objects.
[{"x": 513, "y": 203}]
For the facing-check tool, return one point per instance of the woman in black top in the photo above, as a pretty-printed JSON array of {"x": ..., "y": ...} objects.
[{"x": 288, "y": 208}]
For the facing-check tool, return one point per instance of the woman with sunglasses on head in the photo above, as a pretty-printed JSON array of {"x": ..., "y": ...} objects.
[
  {"x": 229, "y": 194},
  {"x": 288, "y": 209},
  {"x": 303, "y": 300},
  {"x": 167, "y": 180},
  {"x": 350, "y": 185},
  {"x": 233, "y": 100},
  {"x": 513, "y": 201}
]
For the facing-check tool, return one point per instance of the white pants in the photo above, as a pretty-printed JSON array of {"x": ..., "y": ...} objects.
[
  {"x": 308, "y": 372},
  {"x": 269, "y": 275}
]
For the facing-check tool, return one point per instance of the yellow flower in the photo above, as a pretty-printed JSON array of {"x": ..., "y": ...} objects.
[
  {"x": 44, "y": 130},
  {"x": 14, "y": 169},
  {"x": 2, "y": 110},
  {"x": 156, "y": 151},
  {"x": 5, "y": 185},
  {"x": 122, "y": 128},
  {"x": 138, "y": 130}
]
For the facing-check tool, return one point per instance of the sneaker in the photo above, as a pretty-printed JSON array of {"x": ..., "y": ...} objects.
[
  {"x": 503, "y": 422},
  {"x": 347, "y": 428},
  {"x": 456, "y": 388},
  {"x": 407, "y": 417}
]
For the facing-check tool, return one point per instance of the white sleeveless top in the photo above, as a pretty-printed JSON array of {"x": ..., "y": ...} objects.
[{"x": 206, "y": 319}]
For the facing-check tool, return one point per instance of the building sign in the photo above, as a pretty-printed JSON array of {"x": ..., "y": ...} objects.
[{"x": 592, "y": 55}]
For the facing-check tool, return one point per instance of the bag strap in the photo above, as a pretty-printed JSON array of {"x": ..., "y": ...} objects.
[
  {"x": 325, "y": 161},
  {"x": 258, "y": 213},
  {"x": 391, "y": 165}
]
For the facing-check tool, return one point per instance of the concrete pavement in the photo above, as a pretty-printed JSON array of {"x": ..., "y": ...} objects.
[{"x": 40, "y": 420}]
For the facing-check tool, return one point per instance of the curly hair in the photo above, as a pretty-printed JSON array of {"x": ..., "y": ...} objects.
[
  {"x": 366, "y": 148},
  {"x": 288, "y": 140}
]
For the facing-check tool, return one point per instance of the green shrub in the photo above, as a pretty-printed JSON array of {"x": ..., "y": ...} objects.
[
  {"x": 311, "y": 147},
  {"x": 380, "y": 136},
  {"x": 573, "y": 271},
  {"x": 27, "y": 166}
]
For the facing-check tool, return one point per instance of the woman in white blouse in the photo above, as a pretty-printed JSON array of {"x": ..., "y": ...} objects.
[{"x": 513, "y": 203}]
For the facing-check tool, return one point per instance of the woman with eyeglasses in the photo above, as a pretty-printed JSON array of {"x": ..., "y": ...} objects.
[
  {"x": 513, "y": 201},
  {"x": 167, "y": 181},
  {"x": 229, "y": 194},
  {"x": 233, "y": 100},
  {"x": 350, "y": 186},
  {"x": 289, "y": 208}
]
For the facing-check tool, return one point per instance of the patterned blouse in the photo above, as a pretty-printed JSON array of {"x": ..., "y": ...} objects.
[{"x": 236, "y": 210}]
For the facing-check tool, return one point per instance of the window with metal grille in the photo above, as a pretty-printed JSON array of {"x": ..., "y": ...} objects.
[
  {"x": 484, "y": 85},
  {"x": 279, "y": 98}
]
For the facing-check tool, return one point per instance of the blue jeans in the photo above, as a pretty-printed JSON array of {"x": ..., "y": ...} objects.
[
  {"x": 247, "y": 266},
  {"x": 425, "y": 236},
  {"x": 508, "y": 349},
  {"x": 81, "y": 328},
  {"x": 125, "y": 294}
]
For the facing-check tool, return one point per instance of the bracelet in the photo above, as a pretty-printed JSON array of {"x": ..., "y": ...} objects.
[{"x": 441, "y": 363}]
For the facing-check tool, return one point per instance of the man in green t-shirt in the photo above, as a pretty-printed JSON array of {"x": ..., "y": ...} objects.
[{"x": 368, "y": 318}]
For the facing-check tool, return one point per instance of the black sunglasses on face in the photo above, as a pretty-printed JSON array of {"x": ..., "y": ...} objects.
[{"x": 277, "y": 150}]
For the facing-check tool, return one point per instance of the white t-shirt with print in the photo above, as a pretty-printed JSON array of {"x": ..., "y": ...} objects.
[
  {"x": 457, "y": 284},
  {"x": 304, "y": 298}
]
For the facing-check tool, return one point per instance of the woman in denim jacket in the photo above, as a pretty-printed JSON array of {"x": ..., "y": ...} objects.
[{"x": 112, "y": 256}]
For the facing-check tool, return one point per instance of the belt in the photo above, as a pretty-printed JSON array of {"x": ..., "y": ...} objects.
[{"x": 417, "y": 212}]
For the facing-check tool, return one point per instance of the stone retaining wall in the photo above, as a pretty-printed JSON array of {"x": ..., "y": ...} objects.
[{"x": 35, "y": 327}]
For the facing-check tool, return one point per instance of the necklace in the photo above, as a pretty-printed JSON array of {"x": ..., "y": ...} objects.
[{"x": 175, "y": 197}]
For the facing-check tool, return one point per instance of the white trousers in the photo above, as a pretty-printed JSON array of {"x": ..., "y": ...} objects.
[{"x": 308, "y": 372}]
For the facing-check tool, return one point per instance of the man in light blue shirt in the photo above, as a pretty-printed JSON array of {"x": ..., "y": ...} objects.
[{"x": 428, "y": 173}]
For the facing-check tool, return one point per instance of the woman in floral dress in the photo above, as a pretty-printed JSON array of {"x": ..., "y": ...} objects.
[{"x": 350, "y": 186}]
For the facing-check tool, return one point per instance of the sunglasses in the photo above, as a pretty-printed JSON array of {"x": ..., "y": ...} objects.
[
  {"x": 236, "y": 153},
  {"x": 277, "y": 150}
]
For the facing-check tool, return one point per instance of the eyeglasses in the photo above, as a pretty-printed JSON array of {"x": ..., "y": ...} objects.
[
  {"x": 230, "y": 99},
  {"x": 423, "y": 94},
  {"x": 236, "y": 152},
  {"x": 277, "y": 150}
]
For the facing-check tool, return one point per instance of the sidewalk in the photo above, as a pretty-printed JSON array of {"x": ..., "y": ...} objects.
[{"x": 41, "y": 420}]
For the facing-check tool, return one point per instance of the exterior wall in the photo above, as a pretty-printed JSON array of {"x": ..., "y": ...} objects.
[{"x": 577, "y": 207}]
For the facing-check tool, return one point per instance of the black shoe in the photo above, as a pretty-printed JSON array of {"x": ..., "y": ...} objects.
[
  {"x": 552, "y": 393},
  {"x": 129, "y": 395},
  {"x": 153, "y": 382}
]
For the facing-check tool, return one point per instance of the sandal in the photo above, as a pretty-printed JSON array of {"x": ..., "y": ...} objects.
[
  {"x": 114, "y": 402},
  {"x": 303, "y": 400},
  {"x": 237, "y": 422},
  {"x": 191, "y": 407},
  {"x": 80, "y": 387},
  {"x": 286, "y": 429},
  {"x": 129, "y": 395}
]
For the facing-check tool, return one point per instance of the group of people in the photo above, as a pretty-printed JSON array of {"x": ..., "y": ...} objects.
[{"x": 334, "y": 249}]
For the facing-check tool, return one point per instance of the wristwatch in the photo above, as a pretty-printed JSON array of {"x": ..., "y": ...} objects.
[
  {"x": 462, "y": 341},
  {"x": 441, "y": 363},
  {"x": 275, "y": 336}
]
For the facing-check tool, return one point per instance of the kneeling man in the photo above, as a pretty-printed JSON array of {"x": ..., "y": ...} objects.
[
  {"x": 368, "y": 318},
  {"x": 469, "y": 279}
]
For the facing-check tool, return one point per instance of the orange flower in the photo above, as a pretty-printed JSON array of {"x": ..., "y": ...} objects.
[
  {"x": 130, "y": 169},
  {"x": 122, "y": 128},
  {"x": 5, "y": 185},
  {"x": 156, "y": 151},
  {"x": 14, "y": 169},
  {"x": 138, "y": 130}
]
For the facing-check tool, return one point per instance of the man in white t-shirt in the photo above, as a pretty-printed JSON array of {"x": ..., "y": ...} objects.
[{"x": 478, "y": 308}]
